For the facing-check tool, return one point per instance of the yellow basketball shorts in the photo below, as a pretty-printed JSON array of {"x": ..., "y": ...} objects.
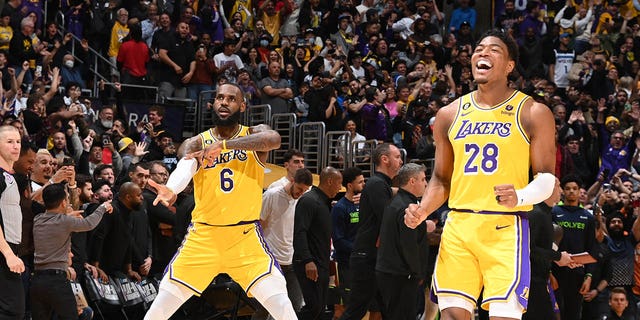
[
  {"x": 239, "y": 251},
  {"x": 489, "y": 251}
]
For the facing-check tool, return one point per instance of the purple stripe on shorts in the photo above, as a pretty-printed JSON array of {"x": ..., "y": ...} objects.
[
  {"x": 524, "y": 279},
  {"x": 265, "y": 246}
]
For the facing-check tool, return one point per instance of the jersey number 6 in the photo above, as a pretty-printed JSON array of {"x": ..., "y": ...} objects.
[{"x": 226, "y": 180}]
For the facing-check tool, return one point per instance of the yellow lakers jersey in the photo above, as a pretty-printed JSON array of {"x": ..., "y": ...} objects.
[
  {"x": 490, "y": 148},
  {"x": 229, "y": 190}
]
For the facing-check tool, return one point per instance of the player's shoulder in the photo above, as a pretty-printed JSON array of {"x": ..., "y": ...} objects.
[{"x": 450, "y": 110}]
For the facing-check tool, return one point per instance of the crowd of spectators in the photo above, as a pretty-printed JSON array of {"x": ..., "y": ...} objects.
[{"x": 378, "y": 69}]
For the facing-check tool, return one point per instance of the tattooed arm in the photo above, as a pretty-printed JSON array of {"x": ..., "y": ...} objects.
[
  {"x": 262, "y": 140},
  {"x": 191, "y": 145}
]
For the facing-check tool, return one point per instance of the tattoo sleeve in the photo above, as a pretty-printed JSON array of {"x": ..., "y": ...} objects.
[
  {"x": 191, "y": 145},
  {"x": 261, "y": 139}
]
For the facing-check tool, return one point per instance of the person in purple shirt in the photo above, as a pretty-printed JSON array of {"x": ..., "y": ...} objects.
[
  {"x": 531, "y": 20},
  {"x": 375, "y": 116}
]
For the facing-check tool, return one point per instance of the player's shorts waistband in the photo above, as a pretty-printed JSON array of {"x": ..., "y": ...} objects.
[
  {"x": 240, "y": 223},
  {"x": 522, "y": 214}
]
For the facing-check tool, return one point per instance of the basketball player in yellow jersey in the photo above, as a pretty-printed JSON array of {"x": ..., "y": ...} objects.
[
  {"x": 485, "y": 144},
  {"x": 226, "y": 164}
]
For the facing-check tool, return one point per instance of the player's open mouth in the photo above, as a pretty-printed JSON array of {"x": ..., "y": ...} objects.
[{"x": 483, "y": 65}]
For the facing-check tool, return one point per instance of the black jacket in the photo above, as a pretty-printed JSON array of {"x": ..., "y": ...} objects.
[
  {"x": 376, "y": 195},
  {"x": 312, "y": 229},
  {"x": 542, "y": 254},
  {"x": 403, "y": 251}
]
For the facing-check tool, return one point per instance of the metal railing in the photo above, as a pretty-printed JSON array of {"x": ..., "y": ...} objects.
[
  {"x": 60, "y": 19},
  {"x": 285, "y": 125},
  {"x": 127, "y": 85},
  {"x": 336, "y": 149}
]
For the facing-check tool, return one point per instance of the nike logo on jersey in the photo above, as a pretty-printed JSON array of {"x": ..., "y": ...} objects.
[
  {"x": 246, "y": 231},
  {"x": 465, "y": 114},
  {"x": 498, "y": 227}
]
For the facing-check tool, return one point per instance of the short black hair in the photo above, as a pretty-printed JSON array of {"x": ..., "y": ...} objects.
[
  {"x": 25, "y": 146},
  {"x": 511, "y": 44},
  {"x": 350, "y": 174},
  {"x": 290, "y": 153},
  {"x": 98, "y": 170},
  {"x": 53, "y": 195},
  {"x": 99, "y": 184},
  {"x": 570, "y": 178},
  {"x": 134, "y": 166},
  {"x": 82, "y": 179},
  {"x": 303, "y": 176},
  {"x": 370, "y": 93}
]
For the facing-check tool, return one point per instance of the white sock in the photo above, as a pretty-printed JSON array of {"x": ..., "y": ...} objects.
[
  {"x": 271, "y": 292},
  {"x": 170, "y": 297}
]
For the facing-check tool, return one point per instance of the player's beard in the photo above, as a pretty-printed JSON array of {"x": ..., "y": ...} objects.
[{"x": 230, "y": 121}]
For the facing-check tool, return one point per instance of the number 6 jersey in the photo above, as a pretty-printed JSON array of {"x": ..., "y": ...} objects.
[
  {"x": 228, "y": 191},
  {"x": 490, "y": 148}
]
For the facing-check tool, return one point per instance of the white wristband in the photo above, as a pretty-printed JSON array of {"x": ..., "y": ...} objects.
[{"x": 536, "y": 191}]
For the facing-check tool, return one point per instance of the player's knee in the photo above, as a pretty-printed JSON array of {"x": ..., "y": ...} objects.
[
  {"x": 178, "y": 291},
  {"x": 511, "y": 308},
  {"x": 455, "y": 308},
  {"x": 271, "y": 285},
  {"x": 454, "y": 313}
]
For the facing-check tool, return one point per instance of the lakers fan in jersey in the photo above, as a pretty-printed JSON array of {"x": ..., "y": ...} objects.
[
  {"x": 486, "y": 142},
  {"x": 226, "y": 164}
]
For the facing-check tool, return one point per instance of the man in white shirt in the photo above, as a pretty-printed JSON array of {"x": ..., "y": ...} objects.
[
  {"x": 227, "y": 62},
  {"x": 293, "y": 160},
  {"x": 277, "y": 218}
]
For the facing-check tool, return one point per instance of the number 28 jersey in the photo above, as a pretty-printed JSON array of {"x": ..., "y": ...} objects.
[
  {"x": 229, "y": 191},
  {"x": 490, "y": 148}
]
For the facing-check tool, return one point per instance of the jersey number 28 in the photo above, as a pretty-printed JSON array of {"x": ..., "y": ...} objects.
[{"x": 483, "y": 157}]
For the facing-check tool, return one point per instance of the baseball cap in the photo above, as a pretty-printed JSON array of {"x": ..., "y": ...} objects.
[
  {"x": 611, "y": 119},
  {"x": 124, "y": 143},
  {"x": 565, "y": 35},
  {"x": 465, "y": 23}
]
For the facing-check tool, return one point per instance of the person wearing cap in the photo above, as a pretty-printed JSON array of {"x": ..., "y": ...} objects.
[
  {"x": 563, "y": 60},
  {"x": 356, "y": 65},
  {"x": 463, "y": 13},
  {"x": 131, "y": 152},
  {"x": 617, "y": 150},
  {"x": 464, "y": 36},
  {"x": 344, "y": 38}
]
